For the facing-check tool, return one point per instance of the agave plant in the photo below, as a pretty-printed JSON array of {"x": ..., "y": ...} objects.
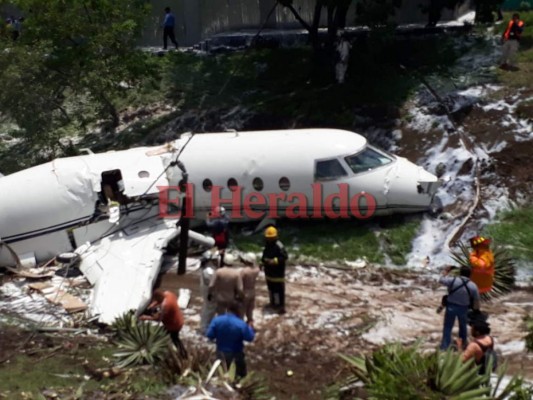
[
  {"x": 124, "y": 323},
  {"x": 398, "y": 372},
  {"x": 504, "y": 270},
  {"x": 529, "y": 329},
  {"x": 141, "y": 342}
]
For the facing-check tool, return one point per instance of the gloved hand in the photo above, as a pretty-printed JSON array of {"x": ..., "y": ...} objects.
[{"x": 209, "y": 297}]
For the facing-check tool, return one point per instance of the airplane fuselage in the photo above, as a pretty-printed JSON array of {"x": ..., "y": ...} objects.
[{"x": 309, "y": 173}]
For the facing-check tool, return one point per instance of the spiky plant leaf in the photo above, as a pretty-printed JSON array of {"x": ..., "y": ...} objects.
[
  {"x": 398, "y": 372},
  {"x": 140, "y": 342},
  {"x": 504, "y": 269},
  {"x": 123, "y": 323},
  {"x": 529, "y": 330}
]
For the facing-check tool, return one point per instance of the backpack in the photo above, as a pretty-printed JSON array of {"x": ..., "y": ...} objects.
[{"x": 489, "y": 355}]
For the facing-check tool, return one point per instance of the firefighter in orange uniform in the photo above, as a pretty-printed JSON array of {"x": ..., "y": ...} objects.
[
  {"x": 511, "y": 39},
  {"x": 482, "y": 262}
]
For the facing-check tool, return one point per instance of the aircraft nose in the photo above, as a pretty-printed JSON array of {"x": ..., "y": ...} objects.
[{"x": 411, "y": 186}]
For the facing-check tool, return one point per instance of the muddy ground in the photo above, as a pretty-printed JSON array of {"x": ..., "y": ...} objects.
[{"x": 331, "y": 311}]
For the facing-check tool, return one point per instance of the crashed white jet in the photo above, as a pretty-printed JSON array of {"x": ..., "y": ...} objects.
[{"x": 119, "y": 209}]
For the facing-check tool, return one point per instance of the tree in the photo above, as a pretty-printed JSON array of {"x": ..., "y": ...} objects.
[
  {"x": 485, "y": 10},
  {"x": 336, "y": 16},
  {"x": 73, "y": 60},
  {"x": 373, "y": 13}
]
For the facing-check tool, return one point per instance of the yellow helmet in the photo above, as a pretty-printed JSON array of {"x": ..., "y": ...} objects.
[
  {"x": 271, "y": 232},
  {"x": 479, "y": 240}
]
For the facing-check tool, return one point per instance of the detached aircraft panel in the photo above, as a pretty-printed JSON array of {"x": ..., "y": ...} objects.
[{"x": 123, "y": 268}]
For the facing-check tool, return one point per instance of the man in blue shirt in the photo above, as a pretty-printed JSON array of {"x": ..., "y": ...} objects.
[
  {"x": 230, "y": 331},
  {"x": 463, "y": 295},
  {"x": 168, "y": 28}
]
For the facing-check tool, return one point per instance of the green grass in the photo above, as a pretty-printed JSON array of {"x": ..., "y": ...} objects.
[
  {"x": 296, "y": 83},
  {"x": 348, "y": 240},
  {"x": 513, "y": 230},
  {"x": 32, "y": 373},
  {"x": 398, "y": 234},
  {"x": 26, "y": 375}
]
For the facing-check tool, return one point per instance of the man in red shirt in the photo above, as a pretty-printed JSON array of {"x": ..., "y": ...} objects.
[{"x": 169, "y": 314}]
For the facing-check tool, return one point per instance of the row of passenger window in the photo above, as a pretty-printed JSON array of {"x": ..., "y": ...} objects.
[
  {"x": 284, "y": 184},
  {"x": 325, "y": 170}
]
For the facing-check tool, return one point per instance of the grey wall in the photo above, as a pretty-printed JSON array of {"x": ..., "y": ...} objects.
[{"x": 198, "y": 19}]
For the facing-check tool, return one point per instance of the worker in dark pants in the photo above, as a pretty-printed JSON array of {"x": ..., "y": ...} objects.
[
  {"x": 168, "y": 28},
  {"x": 273, "y": 261},
  {"x": 218, "y": 224},
  {"x": 229, "y": 332},
  {"x": 165, "y": 308}
]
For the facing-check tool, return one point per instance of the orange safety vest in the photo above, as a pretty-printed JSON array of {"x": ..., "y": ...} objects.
[
  {"x": 507, "y": 32},
  {"x": 482, "y": 262}
]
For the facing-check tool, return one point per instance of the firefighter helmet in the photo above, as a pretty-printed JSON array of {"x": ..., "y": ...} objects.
[
  {"x": 271, "y": 232},
  {"x": 479, "y": 240}
]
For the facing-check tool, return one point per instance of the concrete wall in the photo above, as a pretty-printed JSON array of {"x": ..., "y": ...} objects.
[{"x": 199, "y": 19}]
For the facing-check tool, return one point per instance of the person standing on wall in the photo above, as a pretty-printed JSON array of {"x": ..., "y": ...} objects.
[{"x": 169, "y": 24}]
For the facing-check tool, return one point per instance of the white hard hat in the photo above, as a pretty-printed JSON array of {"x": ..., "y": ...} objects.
[
  {"x": 221, "y": 210},
  {"x": 229, "y": 259}
]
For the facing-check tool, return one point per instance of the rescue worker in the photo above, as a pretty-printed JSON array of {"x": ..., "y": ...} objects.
[
  {"x": 169, "y": 314},
  {"x": 273, "y": 261},
  {"x": 225, "y": 288},
  {"x": 511, "y": 38},
  {"x": 230, "y": 331},
  {"x": 209, "y": 308},
  {"x": 249, "y": 275},
  {"x": 462, "y": 296},
  {"x": 482, "y": 263},
  {"x": 218, "y": 224}
]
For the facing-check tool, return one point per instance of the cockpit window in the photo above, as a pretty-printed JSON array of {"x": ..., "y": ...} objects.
[
  {"x": 367, "y": 160},
  {"x": 329, "y": 169}
]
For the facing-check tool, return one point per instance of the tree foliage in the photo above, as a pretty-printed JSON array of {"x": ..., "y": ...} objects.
[
  {"x": 373, "y": 13},
  {"x": 71, "y": 62}
]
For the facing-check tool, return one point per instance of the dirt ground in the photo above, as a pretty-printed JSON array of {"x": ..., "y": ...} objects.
[{"x": 331, "y": 311}]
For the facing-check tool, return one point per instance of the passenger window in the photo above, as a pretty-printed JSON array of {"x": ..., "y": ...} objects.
[
  {"x": 258, "y": 184},
  {"x": 367, "y": 160},
  {"x": 329, "y": 169},
  {"x": 232, "y": 184},
  {"x": 207, "y": 185},
  {"x": 284, "y": 184}
]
